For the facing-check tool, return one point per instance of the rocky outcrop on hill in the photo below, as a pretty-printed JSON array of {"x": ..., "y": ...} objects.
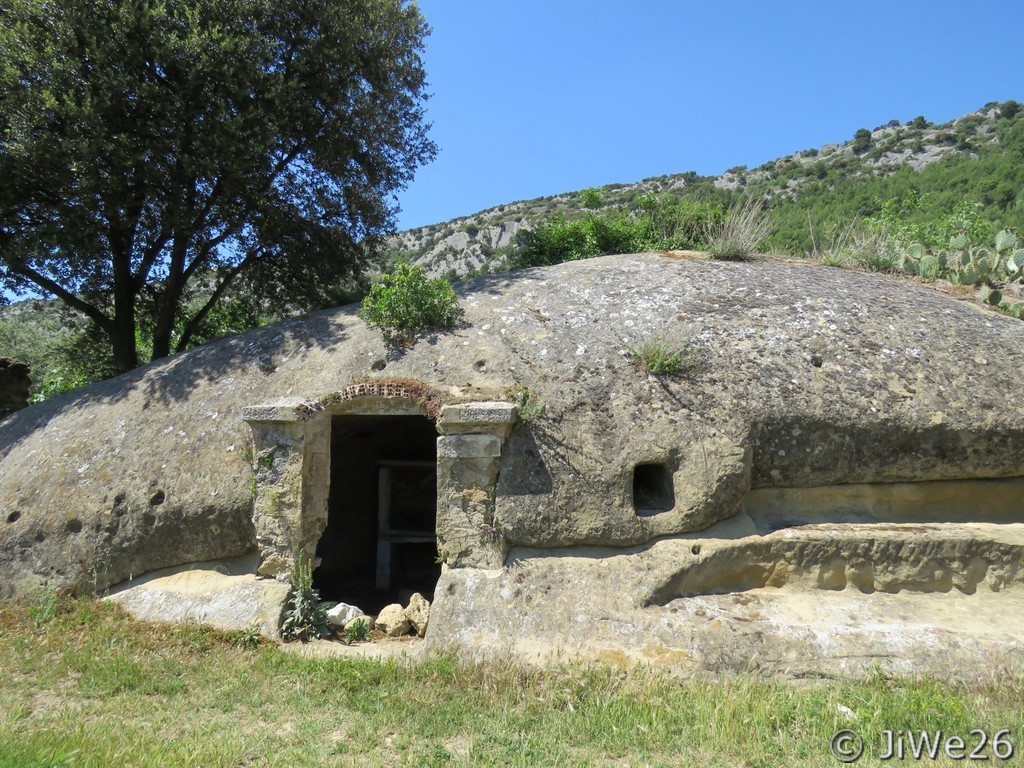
[{"x": 483, "y": 242}]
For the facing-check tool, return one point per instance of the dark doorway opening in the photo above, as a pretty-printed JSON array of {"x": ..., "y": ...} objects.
[{"x": 380, "y": 544}]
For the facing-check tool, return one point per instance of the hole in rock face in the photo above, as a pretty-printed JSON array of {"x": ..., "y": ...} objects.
[
  {"x": 380, "y": 544},
  {"x": 14, "y": 516},
  {"x": 73, "y": 525},
  {"x": 157, "y": 499},
  {"x": 652, "y": 489},
  {"x": 379, "y": 365}
]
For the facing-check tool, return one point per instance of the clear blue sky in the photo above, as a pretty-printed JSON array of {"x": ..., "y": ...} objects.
[{"x": 537, "y": 97}]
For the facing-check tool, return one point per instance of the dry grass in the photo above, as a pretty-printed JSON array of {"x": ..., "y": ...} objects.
[
  {"x": 856, "y": 245},
  {"x": 741, "y": 233}
]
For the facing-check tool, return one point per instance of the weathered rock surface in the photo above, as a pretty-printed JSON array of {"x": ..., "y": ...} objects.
[
  {"x": 223, "y": 594},
  {"x": 815, "y": 393},
  {"x": 810, "y": 376},
  {"x": 392, "y": 621},
  {"x": 820, "y": 600},
  {"x": 418, "y": 613}
]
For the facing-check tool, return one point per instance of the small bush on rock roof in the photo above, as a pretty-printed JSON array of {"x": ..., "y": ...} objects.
[{"x": 406, "y": 301}]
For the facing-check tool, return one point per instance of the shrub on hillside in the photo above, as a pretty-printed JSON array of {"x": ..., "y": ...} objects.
[
  {"x": 861, "y": 141},
  {"x": 558, "y": 239},
  {"x": 660, "y": 222},
  {"x": 916, "y": 218},
  {"x": 676, "y": 223},
  {"x": 591, "y": 197}
]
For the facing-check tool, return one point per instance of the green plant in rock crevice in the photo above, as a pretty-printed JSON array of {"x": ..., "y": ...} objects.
[
  {"x": 528, "y": 406},
  {"x": 304, "y": 616},
  {"x": 662, "y": 356}
]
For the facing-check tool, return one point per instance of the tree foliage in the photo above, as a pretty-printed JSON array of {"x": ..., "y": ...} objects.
[
  {"x": 861, "y": 141},
  {"x": 156, "y": 154},
  {"x": 592, "y": 197}
]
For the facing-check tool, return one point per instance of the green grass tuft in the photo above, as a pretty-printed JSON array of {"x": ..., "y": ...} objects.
[{"x": 661, "y": 356}]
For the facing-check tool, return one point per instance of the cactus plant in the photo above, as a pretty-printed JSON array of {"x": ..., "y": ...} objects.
[
  {"x": 969, "y": 265},
  {"x": 1017, "y": 309},
  {"x": 1015, "y": 266},
  {"x": 989, "y": 295},
  {"x": 958, "y": 242},
  {"x": 1006, "y": 240},
  {"x": 928, "y": 267},
  {"x": 910, "y": 259}
]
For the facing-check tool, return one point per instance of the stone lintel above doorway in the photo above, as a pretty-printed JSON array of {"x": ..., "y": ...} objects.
[
  {"x": 278, "y": 411},
  {"x": 487, "y": 418}
]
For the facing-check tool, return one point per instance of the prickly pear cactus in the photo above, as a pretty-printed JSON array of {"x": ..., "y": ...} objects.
[
  {"x": 981, "y": 260},
  {"x": 965, "y": 274},
  {"x": 908, "y": 261},
  {"x": 989, "y": 295},
  {"x": 1005, "y": 240},
  {"x": 958, "y": 242},
  {"x": 1015, "y": 266},
  {"x": 928, "y": 268}
]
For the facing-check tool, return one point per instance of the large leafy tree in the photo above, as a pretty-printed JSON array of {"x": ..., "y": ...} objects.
[{"x": 155, "y": 153}]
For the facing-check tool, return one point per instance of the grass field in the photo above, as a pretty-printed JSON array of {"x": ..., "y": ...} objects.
[{"x": 83, "y": 685}]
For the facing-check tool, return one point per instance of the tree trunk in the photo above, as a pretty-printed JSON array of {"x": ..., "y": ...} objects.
[
  {"x": 164, "y": 326},
  {"x": 170, "y": 298},
  {"x": 193, "y": 324},
  {"x": 122, "y": 341},
  {"x": 122, "y": 333}
]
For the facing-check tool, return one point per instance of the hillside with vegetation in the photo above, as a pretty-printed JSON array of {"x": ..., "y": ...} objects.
[
  {"x": 973, "y": 164},
  {"x": 933, "y": 200}
]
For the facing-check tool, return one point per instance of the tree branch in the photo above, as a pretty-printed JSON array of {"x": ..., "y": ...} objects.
[
  {"x": 149, "y": 257},
  {"x": 190, "y": 328},
  {"x": 200, "y": 258},
  {"x": 90, "y": 311}
]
